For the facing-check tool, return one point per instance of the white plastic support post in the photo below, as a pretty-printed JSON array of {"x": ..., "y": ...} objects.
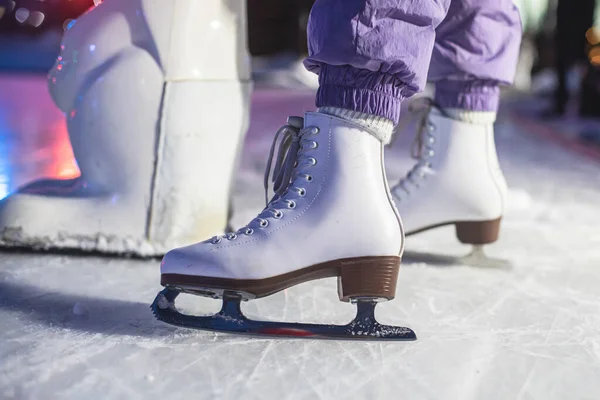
[{"x": 156, "y": 95}]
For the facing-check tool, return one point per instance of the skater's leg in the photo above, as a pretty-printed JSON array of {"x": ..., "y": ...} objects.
[
  {"x": 475, "y": 52},
  {"x": 371, "y": 54}
]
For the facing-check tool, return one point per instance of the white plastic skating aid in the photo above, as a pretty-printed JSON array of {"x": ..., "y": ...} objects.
[
  {"x": 456, "y": 181},
  {"x": 331, "y": 216},
  {"x": 156, "y": 95}
]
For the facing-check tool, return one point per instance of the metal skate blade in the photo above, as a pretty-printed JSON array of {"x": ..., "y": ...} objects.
[
  {"x": 213, "y": 293},
  {"x": 231, "y": 320},
  {"x": 476, "y": 258},
  {"x": 368, "y": 299}
]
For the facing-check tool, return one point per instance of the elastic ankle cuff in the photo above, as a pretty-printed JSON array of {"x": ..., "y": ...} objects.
[
  {"x": 468, "y": 95},
  {"x": 361, "y": 90}
]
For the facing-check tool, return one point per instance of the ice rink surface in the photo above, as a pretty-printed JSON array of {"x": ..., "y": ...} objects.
[{"x": 76, "y": 327}]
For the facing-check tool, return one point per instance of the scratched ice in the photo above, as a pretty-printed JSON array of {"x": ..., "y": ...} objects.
[{"x": 527, "y": 333}]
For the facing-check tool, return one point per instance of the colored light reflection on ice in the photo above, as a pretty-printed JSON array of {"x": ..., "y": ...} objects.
[
  {"x": 34, "y": 141},
  {"x": 5, "y": 164},
  {"x": 61, "y": 161},
  {"x": 4, "y": 167},
  {"x": 55, "y": 160}
]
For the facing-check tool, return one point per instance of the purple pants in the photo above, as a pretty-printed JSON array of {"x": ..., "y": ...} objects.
[{"x": 372, "y": 54}]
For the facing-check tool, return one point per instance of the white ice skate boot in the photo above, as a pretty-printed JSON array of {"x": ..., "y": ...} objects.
[
  {"x": 156, "y": 94},
  {"x": 456, "y": 181},
  {"x": 331, "y": 216}
]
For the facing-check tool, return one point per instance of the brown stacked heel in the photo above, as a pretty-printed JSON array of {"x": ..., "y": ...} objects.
[
  {"x": 478, "y": 232},
  {"x": 373, "y": 277}
]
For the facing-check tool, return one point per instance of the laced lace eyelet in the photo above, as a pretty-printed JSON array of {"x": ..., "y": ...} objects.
[
  {"x": 431, "y": 140},
  {"x": 431, "y": 127},
  {"x": 314, "y": 144},
  {"x": 431, "y": 153},
  {"x": 231, "y": 236},
  {"x": 263, "y": 223},
  {"x": 313, "y": 161},
  {"x": 216, "y": 240},
  {"x": 314, "y": 130},
  {"x": 292, "y": 205},
  {"x": 278, "y": 215},
  {"x": 302, "y": 192},
  {"x": 248, "y": 231},
  {"x": 309, "y": 178}
]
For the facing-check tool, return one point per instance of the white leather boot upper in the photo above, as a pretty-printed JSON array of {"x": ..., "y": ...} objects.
[
  {"x": 457, "y": 176},
  {"x": 337, "y": 205}
]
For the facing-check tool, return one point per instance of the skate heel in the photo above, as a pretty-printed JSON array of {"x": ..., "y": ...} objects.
[
  {"x": 368, "y": 277},
  {"x": 478, "y": 232}
]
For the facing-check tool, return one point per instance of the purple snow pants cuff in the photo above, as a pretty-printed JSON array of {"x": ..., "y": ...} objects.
[
  {"x": 474, "y": 95},
  {"x": 360, "y": 90}
]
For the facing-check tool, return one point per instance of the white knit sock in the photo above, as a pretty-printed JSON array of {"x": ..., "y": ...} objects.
[
  {"x": 473, "y": 117},
  {"x": 380, "y": 127}
]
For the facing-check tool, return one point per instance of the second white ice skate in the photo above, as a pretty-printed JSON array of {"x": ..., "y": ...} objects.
[{"x": 456, "y": 181}]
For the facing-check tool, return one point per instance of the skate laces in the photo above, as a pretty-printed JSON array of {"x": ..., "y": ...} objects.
[
  {"x": 292, "y": 141},
  {"x": 422, "y": 146}
]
